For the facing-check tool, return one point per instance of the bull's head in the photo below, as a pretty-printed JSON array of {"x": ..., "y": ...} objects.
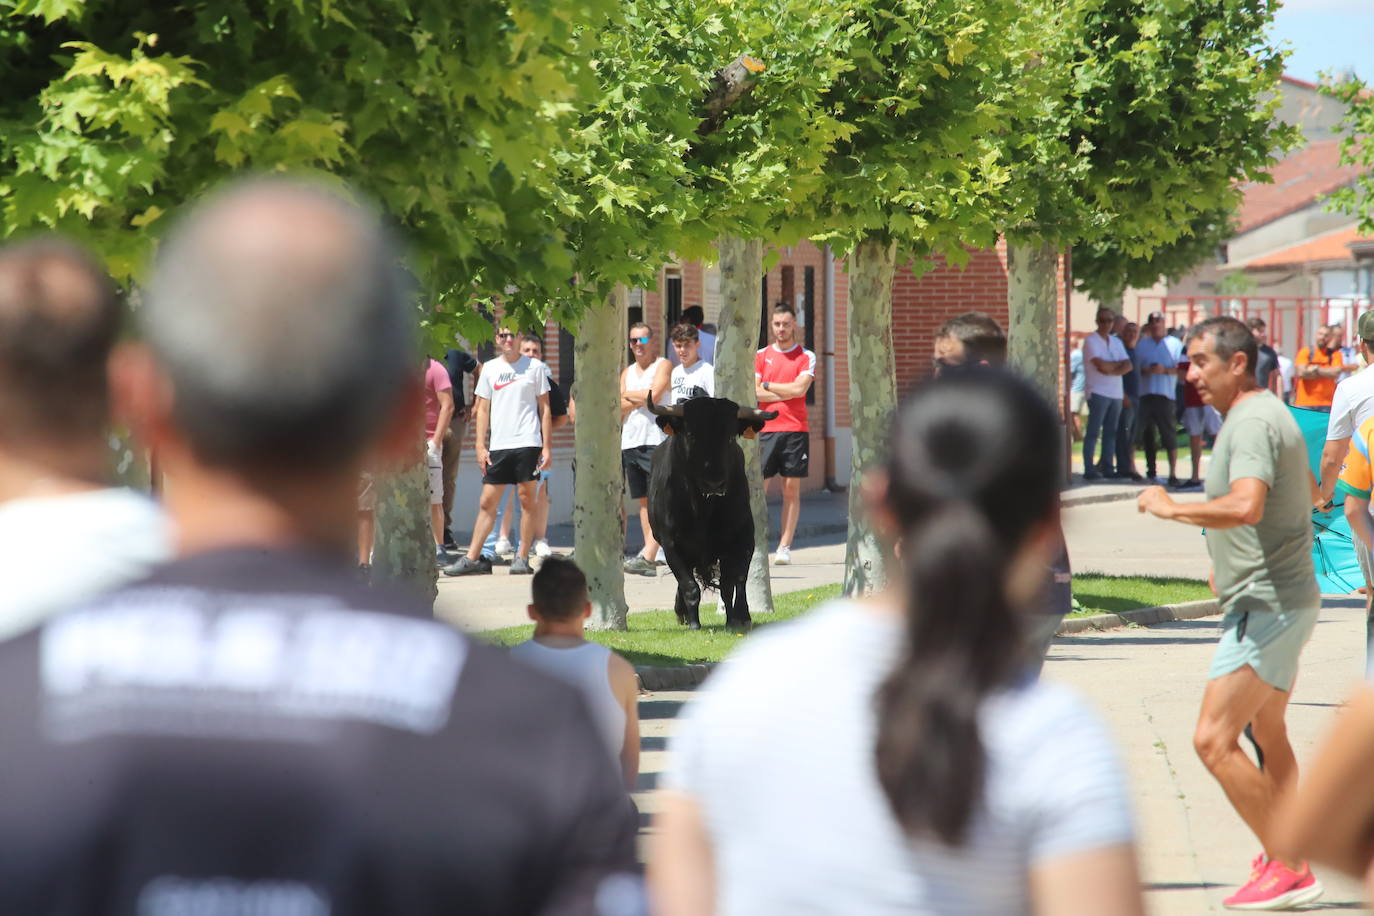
[{"x": 707, "y": 427}]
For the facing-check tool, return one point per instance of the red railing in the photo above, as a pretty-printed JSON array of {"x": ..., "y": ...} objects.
[{"x": 1291, "y": 322}]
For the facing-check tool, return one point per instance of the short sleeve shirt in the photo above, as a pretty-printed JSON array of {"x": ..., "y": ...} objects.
[
  {"x": 1109, "y": 350},
  {"x": 514, "y": 389},
  {"x": 1316, "y": 392},
  {"x": 1151, "y": 352},
  {"x": 256, "y": 732},
  {"x": 702, "y": 375},
  {"x": 843, "y": 851},
  {"x": 436, "y": 380},
  {"x": 1266, "y": 364},
  {"x": 1352, "y": 404},
  {"x": 1266, "y": 566},
  {"x": 773, "y": 366},
  {"x": 1356, "y": 475},
  {"x": 459, "y": 363}
]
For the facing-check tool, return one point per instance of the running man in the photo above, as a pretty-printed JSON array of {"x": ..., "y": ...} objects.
[
  {"x": 512, "y": 398},
  {"x": 639, "y": 433},
  {"x": 783, "y": 372},
  {"x": 1259, "y": 496},
  {"x": 691, "y": 371}
]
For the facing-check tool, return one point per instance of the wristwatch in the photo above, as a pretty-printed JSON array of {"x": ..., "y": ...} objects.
[{"x": 765, "y": 386}]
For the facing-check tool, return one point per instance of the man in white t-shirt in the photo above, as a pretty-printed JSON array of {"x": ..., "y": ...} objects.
[
  {"x": 512, "y": 400},
  {"x": 692, "y": 370},
  {"x": 65, "y": 534},
  {"x": 1351, "y": 406},
  {"x": 639, "y": 433},
  {"x": 1104, "y": 363},
  {"x": 694, "y": 316}
]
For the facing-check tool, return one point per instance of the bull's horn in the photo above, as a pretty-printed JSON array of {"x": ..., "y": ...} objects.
[
  {"x": 754, "y": 413},
  {"x": 659, "y": 411}
]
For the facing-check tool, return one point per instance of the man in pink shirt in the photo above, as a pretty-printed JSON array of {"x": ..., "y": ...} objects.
[
  {"x": 438, "y": 415},
  {"x": 783, "y": 372}
]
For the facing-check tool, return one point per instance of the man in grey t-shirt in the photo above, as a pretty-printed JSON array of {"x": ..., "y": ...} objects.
[{"x": 1259, "y": 535}]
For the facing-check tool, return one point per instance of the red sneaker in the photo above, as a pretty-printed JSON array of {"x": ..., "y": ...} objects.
[{"x": 1277, "y": 887}]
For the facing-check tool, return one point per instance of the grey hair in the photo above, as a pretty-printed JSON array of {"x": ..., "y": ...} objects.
[
  {"x": 1229, "y": 336},
  {"x": 284, "y": 320}
]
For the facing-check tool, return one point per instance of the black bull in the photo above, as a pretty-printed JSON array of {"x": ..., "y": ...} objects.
[{"x": 699, "y": 502}]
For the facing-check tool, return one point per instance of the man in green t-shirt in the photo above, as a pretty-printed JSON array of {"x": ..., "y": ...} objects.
[{"x": 1259, "y": 534}]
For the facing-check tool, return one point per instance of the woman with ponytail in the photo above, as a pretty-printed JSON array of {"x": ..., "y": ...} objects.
[{"x": 892, "y": 754}]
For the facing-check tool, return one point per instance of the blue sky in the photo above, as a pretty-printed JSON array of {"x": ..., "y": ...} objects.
[{"x": 1327, "y": 35}]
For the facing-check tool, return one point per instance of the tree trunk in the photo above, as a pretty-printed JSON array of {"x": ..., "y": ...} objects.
[
  {"x": 741, "y": 301},
  {"x": 598, "y": 531},
  {"x": 1033, "y": 345},
  {"x": 403, "y": 551},
  {"x": 873, "y": 399}
]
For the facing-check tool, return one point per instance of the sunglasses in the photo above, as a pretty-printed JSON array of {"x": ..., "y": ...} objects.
[
  {"x": 503, "y": 335},
  {"x": 639, "y": 340}
]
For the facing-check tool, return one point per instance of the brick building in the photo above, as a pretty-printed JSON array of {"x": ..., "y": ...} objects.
[{"x": 920, "y": 305}]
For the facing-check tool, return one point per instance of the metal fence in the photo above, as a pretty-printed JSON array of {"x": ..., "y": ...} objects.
[{"x": 1291, "y": 322}]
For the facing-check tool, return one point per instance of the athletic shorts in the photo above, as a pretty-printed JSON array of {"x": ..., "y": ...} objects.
[
  {"x": 367, "y": 493},
  {"x": 1077, "y": 399},
  {"x": 435, "y": 465},
  {"x": 786, "y": 454},
  {"x": 1198, "y": 421},
  {"x": 1268, "y": 641},
  {"x": 513, "y": 465},
  {"x": 635, "y": 462}
]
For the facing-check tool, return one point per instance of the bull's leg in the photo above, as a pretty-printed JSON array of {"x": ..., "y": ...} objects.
[
  {"x": 732, "y": 578},
  {"x": 688, "y": 601}
]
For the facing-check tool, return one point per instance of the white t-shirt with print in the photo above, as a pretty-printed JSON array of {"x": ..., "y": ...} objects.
[
  {"x": 60, "y": 550},
  {"x": 842, "y": 851},
  {"x": 701, "y": 375},
  {"x": 1111, "y": 350},
  {"x": 513, "y": 390}
]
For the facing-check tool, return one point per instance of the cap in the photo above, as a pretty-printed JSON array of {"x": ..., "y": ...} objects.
[{"x": 1365, "y": 327}]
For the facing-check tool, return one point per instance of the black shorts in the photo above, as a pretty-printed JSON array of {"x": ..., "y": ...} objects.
[
  {"x": 635, "y": 462},
  {"x": 513, "y": 465},
  {"x": 786, "y": 454}
]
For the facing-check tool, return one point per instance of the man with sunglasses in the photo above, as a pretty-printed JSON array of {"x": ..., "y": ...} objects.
[
  {"x": 512, "y": 399},
  {"x": 639, "y": 433},
  {"x": 1104, "y": 363}
]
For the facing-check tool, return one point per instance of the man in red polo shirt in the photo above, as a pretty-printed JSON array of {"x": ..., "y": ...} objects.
[{"x": 782, "y": 374}]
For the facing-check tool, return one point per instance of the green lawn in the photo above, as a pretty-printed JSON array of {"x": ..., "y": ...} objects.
[
  {"x": 1095, "y": 593},
  {"x": 656, "y": 638}
]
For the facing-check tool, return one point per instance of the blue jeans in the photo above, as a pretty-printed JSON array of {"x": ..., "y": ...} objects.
[
  {"x": 1125, "y": 437},
  {"x": 1104, "y": 415}
]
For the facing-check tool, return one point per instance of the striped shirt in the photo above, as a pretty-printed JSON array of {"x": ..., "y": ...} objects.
[{"x": 782, "y": 765}]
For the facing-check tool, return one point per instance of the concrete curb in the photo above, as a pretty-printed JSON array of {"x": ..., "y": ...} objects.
[
  {"x": 1188, "y": 610},
  {"x": 675, "y": 678},
  {"x": 1070, "y": 498}
]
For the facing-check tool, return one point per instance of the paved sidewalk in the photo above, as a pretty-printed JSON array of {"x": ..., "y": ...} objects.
[
  {"x": 1103, "y": 536},
  {"x": 1147, "y": 683}
]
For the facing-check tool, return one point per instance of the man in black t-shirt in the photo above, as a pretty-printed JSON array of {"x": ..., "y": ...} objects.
[
  {"x": 1267, "y": 361},
  {"x": 248, "y": 730},
  {"x": 458, "y": 363}
]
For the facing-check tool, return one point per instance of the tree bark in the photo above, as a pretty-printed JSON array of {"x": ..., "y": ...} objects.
[
  {"x": 598, "y": 530},
  {"x": 1033, "y": 345},
  {"x": 741, "y": 302},
  {"x": 403, "y": 551},
  {"x": 873, "y": 399}
]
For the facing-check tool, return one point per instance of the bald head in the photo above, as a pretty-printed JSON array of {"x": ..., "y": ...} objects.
[
  {"x": 59, "y": 318},
  {"x": 282, "y": 318}
]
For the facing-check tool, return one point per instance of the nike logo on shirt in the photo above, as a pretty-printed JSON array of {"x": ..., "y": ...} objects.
[{"x": 501, "y": 385}]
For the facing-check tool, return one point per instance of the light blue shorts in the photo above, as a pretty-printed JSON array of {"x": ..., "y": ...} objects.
[{"x": 1267, "y": 641}]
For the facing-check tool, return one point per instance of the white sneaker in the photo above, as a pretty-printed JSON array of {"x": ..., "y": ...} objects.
[
  {"x": 541, "y": 548},
  {"x": 502, "y": 547},
  {"x": 783, "y": 557}
]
